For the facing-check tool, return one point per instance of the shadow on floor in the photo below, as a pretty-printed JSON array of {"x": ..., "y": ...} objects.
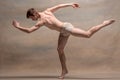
[{"x": 54, "y": 77}]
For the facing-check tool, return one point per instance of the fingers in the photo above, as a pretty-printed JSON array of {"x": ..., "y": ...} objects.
[
  {"x": 15, "y": 23},
  {"x": 76, "y": 5},
  {"x": 112, "y": 20}
]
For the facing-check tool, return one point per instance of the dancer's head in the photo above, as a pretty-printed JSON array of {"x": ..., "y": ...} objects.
[{"x": 32, "y": 14}]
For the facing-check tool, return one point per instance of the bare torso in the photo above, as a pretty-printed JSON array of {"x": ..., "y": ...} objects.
[{"x": 50, "y": 20}]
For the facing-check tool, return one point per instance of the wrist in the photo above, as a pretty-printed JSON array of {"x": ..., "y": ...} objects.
[
  {"x": 18, "y": 26},
  {"x": 70, "y": 4}
]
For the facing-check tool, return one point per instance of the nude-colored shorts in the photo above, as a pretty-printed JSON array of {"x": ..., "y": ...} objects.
[{"x": 67, "y": 28}]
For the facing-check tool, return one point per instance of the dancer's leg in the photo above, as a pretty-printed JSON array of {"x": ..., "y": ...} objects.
[
  {"x": 61, "y": 45},
  {"x": 87, "y": 34}
]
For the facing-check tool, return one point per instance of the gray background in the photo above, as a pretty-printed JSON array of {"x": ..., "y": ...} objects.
[{"x": 35, "y": 53}]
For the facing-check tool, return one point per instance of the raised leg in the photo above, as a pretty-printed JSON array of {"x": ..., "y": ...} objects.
[
  {"x": 61, "y": 45},
  {"x": 87, "y": 34}
]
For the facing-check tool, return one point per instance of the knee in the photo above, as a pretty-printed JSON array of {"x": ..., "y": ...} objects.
[
  {"x": 60, "y": 50},
  {"x": 88, "y": 34}
]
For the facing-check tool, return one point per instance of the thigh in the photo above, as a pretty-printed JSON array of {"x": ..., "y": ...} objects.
[
  {"x": 79, "y": 32},
  {"x": 62, "y": 40}
]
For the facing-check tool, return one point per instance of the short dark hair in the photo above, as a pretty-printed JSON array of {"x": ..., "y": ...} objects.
[{"x": 30, "y": 12}]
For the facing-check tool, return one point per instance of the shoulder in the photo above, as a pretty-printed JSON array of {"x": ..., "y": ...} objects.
[
  {"x": 47, "y": 10},
  {"x": 39, "y": 23}
]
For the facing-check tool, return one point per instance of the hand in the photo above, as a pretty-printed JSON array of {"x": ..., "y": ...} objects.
[
  {"x": 75, "y": 5},
  {"x": 15, "y": 23}
]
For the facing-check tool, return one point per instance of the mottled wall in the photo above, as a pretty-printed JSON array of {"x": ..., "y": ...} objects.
[{"x": 36, "y": 52}]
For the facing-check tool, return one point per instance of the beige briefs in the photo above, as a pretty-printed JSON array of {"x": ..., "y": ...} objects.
[{"x": 67, "y": 28}]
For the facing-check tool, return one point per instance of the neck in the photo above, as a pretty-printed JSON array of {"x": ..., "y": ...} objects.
[{"x": 39, "y": 13}]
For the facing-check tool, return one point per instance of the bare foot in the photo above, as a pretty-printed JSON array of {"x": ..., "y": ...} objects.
[
  {"x": 108, "y": 22},
  {"x": 63, "y": 75}
]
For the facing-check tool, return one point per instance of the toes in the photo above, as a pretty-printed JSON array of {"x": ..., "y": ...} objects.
[{"x": 112, "y": 20}]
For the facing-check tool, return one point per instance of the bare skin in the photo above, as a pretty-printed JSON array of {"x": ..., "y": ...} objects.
[{"x": 48, "y": 19}]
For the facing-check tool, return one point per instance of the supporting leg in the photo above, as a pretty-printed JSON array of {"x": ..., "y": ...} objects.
[
  {"x": 61, "y": 45},
  {"x": 87, "y": 34}
]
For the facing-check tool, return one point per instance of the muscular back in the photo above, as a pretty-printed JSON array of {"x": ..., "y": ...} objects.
[{"x": 50, "y": 20}]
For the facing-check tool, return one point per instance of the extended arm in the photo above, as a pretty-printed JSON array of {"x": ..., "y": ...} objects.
[
  {"x": 27, "y": 30},
  {"x": 53, "y": 9}
]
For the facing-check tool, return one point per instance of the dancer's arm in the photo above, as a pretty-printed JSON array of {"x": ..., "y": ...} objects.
[
  {"x": 27, "y": 30},
  {"x": 53, "y": 9}
]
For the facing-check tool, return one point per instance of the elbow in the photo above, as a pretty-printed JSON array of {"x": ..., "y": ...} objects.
[{"x": 28, "y": 31}]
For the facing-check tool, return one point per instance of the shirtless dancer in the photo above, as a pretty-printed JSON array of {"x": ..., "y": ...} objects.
[{"x": 66, "y": 29}]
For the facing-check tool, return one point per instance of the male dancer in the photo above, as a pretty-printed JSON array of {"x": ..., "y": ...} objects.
[{"x": 66, "y": 29}]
